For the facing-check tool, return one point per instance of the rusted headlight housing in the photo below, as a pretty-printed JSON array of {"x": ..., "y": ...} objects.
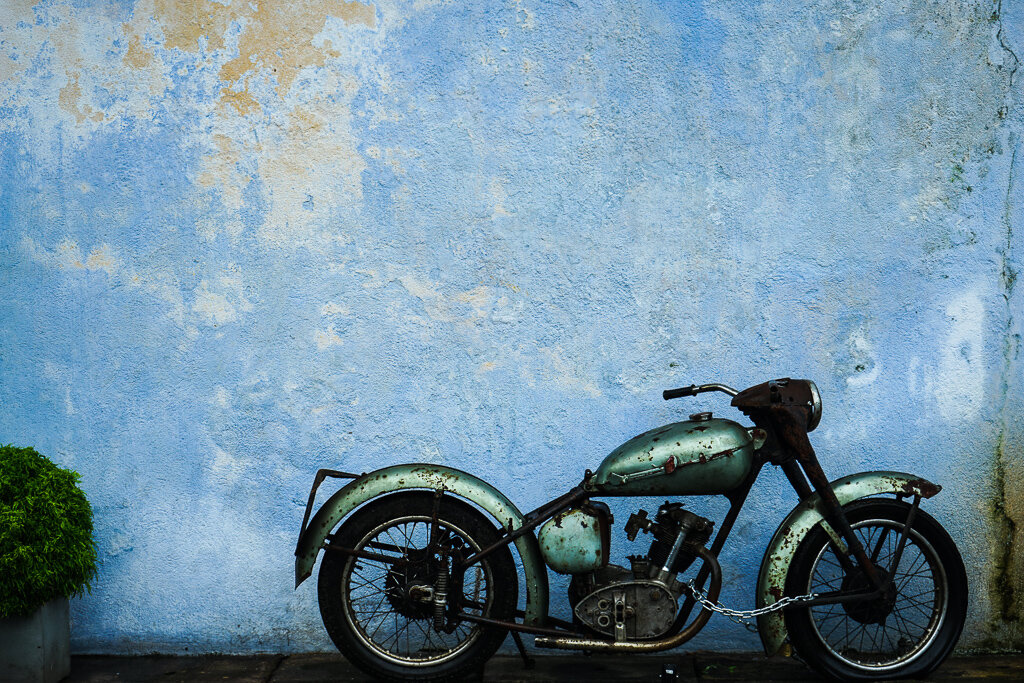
[{"x": 815, "y": 416}]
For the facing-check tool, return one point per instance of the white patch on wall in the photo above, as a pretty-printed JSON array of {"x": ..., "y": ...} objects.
[
  {"x": 960, "y": 386},
  {"x": 466, "y": 309},
  {"x": 498, "y": 197},
  {"x": 564, "y": 374},
  {"x": 222, "y": 398},
  {"x": 212, "y": 306},
  {"x": 915, "y": 381},
  {"x": 327, "y": 338},
  {"x": 225, "y": 469},
  {"x": 62, "y": 377},
  {"x": 331, "y": 308},
  {"x": 221, "y": 304},
  {"x": 68, "y": 256},
  {"x": 164, "y": 286}
]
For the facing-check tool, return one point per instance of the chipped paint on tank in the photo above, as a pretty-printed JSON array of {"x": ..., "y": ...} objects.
[
  {"x": 685, "y": 458},
  {"x": 572, "y": 542},
  {"x": 240, "y": 241}
]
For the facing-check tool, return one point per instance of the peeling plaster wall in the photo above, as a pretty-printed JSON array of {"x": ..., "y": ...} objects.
[{"x": 243, "y": 240}]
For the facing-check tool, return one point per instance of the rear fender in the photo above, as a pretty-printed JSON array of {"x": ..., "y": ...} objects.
[
  {"x": 435, "y": 478},
  {"x": 775, "y": 566}
]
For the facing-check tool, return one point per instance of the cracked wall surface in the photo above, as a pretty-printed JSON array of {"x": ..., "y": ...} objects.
[{"x": 243, "y": 240}]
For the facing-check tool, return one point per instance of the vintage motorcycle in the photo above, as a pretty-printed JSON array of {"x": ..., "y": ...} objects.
[{"x": 419, "y": 582}]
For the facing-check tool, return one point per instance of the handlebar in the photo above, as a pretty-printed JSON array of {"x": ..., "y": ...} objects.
[{"x": 695, "y": 389}]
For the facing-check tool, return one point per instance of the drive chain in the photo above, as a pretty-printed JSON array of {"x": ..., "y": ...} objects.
[{"x": 741, "y": 617}]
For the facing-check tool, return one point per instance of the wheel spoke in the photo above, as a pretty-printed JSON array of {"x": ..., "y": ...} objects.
[
  {"x": 385, "y": 616},
  {"x": 878, "y": 545},
  {"x": 857, "y": 632}
]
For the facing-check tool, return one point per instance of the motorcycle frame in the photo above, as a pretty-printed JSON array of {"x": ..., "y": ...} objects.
[
  {"x": 796, "y": 471},
  {"x": 801, "y": 468}
]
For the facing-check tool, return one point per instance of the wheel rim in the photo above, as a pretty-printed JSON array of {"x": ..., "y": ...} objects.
[
  {"x": 904, "y": 632},
  {"x": 378, "y": 610}
]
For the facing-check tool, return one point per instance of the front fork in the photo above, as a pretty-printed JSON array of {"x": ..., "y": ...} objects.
[{"x": 844, "y": 540}]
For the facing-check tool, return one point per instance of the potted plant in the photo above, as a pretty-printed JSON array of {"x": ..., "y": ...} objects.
[{"x": 47, "y": 555}]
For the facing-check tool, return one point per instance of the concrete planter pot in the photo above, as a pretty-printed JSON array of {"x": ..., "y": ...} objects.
[{"x": 37, "y": 648}]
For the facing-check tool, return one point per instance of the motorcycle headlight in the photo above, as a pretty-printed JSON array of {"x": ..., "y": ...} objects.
[{"x": 815, "y": 416}]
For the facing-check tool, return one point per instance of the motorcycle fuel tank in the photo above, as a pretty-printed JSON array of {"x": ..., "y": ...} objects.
[{"x": 703, "y": 455}]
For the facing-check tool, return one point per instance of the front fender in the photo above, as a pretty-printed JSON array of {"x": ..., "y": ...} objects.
[
  {"x": 774, "y": 567},
  {"x": 435, "y": 478}
]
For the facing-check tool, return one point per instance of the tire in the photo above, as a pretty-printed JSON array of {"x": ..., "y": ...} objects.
[
  {"x": 907, "y": 637},
  {"x": 348, "y": 586}
]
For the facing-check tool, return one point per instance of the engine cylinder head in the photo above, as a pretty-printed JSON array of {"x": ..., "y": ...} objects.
[{"x": 670, "y": 521}]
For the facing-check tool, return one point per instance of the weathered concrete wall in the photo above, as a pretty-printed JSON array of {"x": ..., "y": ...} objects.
[{"x": 244, "y": 240}]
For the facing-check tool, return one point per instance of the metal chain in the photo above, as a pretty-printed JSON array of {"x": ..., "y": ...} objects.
[{"x": 740, "y": 616}]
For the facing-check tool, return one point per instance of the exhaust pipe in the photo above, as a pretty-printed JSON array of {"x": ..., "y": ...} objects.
[{"x": 596, "y": 645}]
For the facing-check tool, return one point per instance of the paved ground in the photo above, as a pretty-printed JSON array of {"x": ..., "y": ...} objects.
[{"x": 333, "y": 668}]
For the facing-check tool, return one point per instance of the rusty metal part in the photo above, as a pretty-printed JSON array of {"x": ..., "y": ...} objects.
[
  {"x": 599, "y": 645},
  {"x": 516, "y": 626},
  {"x": 796, "y": 479},
  {"x": 650, "y": 608},
  {"x": 898, "y": 555},
  {"x": 791, "y": 421},
  {"x": 321, "y": 475},
  {"x": 758, "y": 436},
  {"x": 432, "y": 478},
  {"x": 804, "y": 517},
  {"x": 684, "y": 458},
  {"x": 736, "y": 500},
  {"x": 531, "y": 521},
  {"x": 575, "y": 540},
  {"x": 784, "y": 392},
  {"x": 387, "y": 559},
  {"x": 695, "y": 389}
]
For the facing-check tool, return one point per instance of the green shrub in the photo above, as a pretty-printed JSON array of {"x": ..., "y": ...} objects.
[{"x": 46, "y": 546}]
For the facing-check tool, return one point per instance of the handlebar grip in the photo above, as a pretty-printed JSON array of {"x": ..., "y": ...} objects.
[{"x": 669, "y": 394}]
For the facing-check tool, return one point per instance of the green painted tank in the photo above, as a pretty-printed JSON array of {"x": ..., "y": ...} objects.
[{"x": 701, "y": 456}]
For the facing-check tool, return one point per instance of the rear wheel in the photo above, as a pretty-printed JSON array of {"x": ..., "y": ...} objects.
[
  {"x": 905, "y": 634},
  {"x": 381, "y": 615}
]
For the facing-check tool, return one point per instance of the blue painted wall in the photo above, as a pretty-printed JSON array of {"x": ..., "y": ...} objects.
[{"x": 242, "y": 241}]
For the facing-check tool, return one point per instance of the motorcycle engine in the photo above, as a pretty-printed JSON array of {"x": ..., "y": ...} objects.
[{"x": 641, "y": 603}]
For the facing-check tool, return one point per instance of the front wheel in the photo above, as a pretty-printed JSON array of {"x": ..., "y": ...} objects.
[
  {"x": 382, "y": 615},
  {"x": 906, "y": 634}
]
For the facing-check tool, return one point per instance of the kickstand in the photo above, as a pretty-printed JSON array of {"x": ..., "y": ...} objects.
[{"x": 528, "y": 661}]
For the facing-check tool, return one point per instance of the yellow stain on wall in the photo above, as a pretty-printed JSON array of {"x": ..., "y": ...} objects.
[
  {"x": 298, "y": 141},
  {"x": 305, "y": 154},
  {"x": 240, "y": 100},
  {"x": 219, "y": 167},
  {"x": 136, "y": 57},
  {"x": 70, "y": 100},
  {"x": 67, "y": 255},
  {"x": 279, "y": 37},
  {"x": 185, "y": 23},
  {"x": 276, "y": 38}
]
